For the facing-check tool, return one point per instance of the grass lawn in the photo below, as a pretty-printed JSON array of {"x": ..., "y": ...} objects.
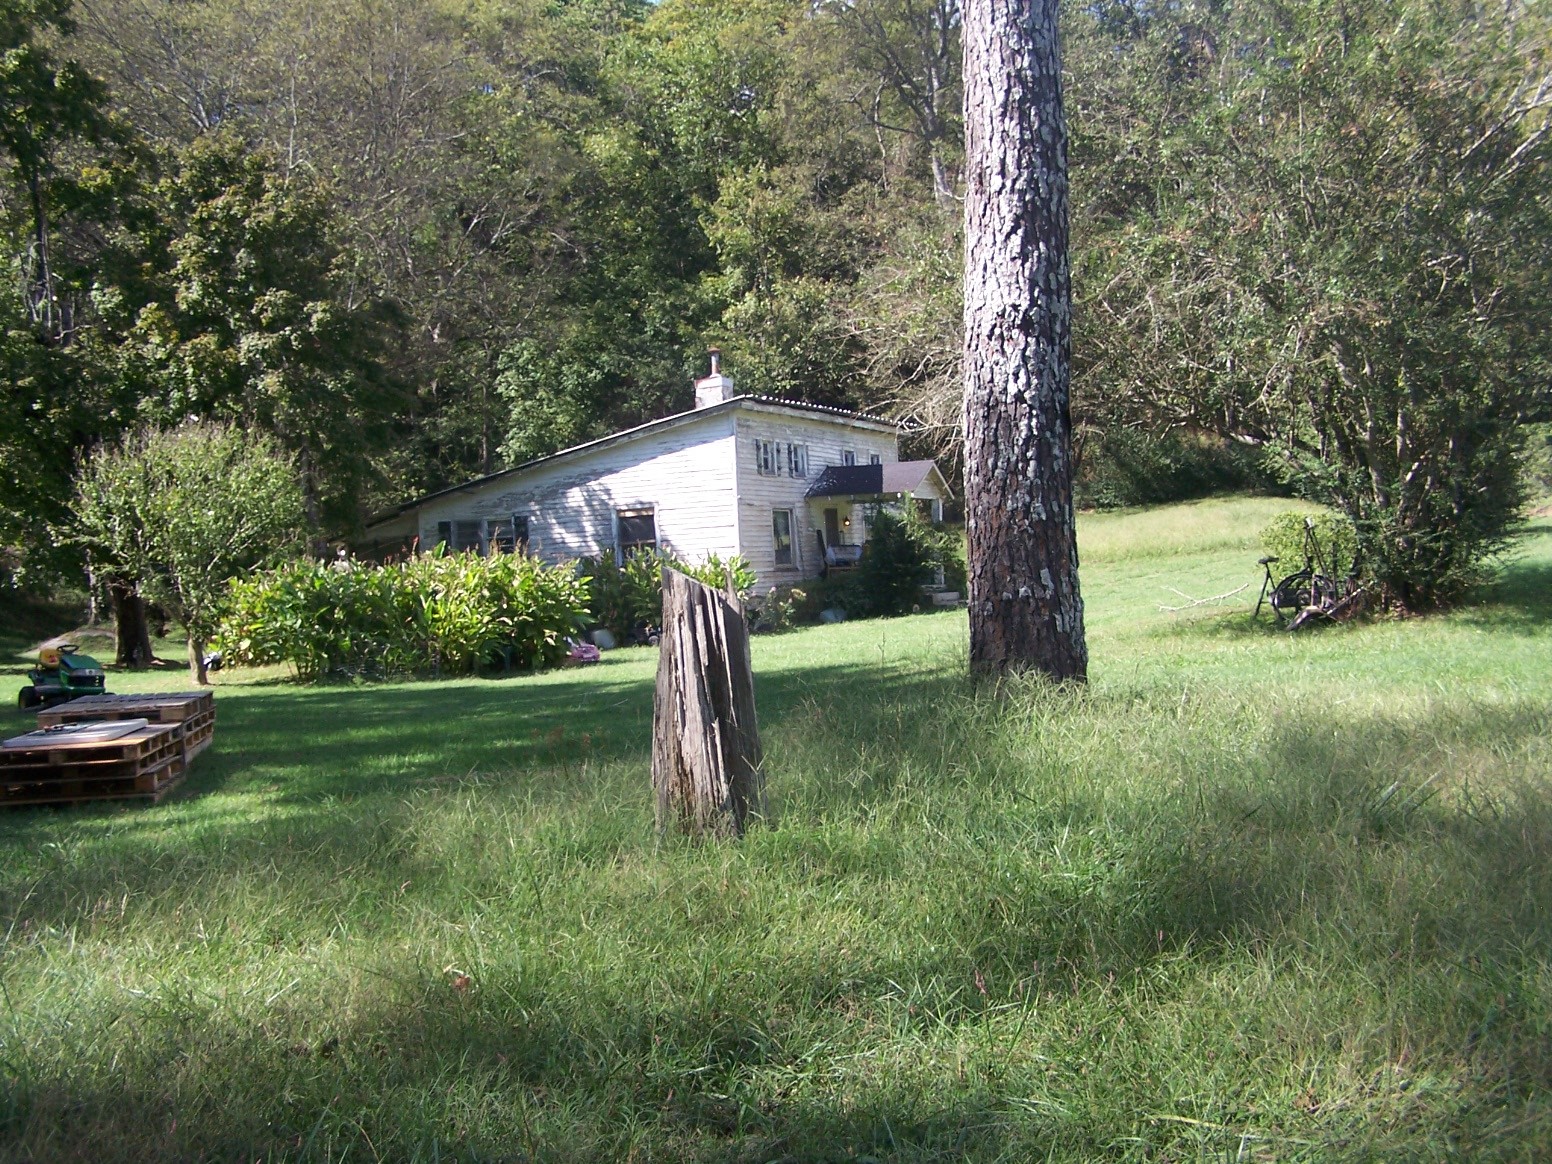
[{"x": 1250, "y": 896}]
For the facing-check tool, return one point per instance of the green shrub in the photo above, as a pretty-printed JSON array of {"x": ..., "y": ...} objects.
[
  {"x": 1335, "y": 536},
  {"x": 901, "y": 557},
  {"x": 433, "y": 614},
  {"x": 629, "y": 594}
]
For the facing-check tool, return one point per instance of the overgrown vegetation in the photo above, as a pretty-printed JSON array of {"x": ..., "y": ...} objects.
[
  {"x": 1251, "y": 895},
  {"x": 627, "y": 596},
  {"x": 430, "y": 614}
]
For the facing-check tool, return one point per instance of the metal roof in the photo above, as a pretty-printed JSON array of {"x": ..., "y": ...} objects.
[{"x": 872, "y": 480}]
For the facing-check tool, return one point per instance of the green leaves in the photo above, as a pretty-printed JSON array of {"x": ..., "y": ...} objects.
[
  {"x": 182, "y": 511},
  {"x": 438, "y": 614}
]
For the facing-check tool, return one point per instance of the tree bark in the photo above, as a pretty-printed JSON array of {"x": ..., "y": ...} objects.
[
  {"x": 197, "y": 670},
  {"x": 705, "y": 740},
  {"x": 132, "y": 629},
  {"x": 1025, "y": 609}
]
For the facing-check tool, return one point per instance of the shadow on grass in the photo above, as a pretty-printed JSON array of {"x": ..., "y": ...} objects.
[{"x": 1299, "y": 843}]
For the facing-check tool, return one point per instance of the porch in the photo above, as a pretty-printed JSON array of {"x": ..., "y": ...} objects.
[{"x": 841, "y": 498}]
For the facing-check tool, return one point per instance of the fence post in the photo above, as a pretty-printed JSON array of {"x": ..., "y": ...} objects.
[{"x": 705, "y": 741}]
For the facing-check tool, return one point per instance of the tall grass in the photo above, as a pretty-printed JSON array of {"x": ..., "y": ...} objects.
[{"x": 1248, "y": 897}]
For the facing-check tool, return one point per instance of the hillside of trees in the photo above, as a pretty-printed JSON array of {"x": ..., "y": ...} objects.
[{"x": 415, "y": 240}]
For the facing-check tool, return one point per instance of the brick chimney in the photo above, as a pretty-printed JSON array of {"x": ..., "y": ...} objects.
[{"x": 715, "y": 388}]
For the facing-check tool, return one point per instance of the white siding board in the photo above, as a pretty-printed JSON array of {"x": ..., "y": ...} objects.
[
  {"x": 685, "y": 474},
  {"x": 758, "y": 495}
]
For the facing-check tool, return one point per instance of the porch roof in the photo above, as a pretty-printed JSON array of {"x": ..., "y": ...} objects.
[{"x": 872, "y": 480}]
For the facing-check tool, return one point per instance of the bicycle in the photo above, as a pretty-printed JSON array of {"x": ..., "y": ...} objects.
[{"x": 1312, "y": 592}]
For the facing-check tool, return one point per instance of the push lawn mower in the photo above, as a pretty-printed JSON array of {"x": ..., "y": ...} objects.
[{"x": 61, "y": 675}]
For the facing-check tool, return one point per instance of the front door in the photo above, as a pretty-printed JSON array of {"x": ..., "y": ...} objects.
[{"x": 832, "y": 527}]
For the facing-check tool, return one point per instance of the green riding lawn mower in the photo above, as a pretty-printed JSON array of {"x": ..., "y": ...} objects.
[{"x": 62, "y": 674}]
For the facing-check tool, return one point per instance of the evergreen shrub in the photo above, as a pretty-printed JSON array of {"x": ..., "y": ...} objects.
[{"x": 904, "y": 552}]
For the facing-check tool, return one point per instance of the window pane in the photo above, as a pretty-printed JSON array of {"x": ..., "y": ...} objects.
[
  {"x": 444, "y": 533},
  {"x": 849, "y": 457},
  {"x": 781, "y": 531},
  {"x": 466, "y": 536},
  {"x": 498, "y": 537},
  {"x": 638, "y": 531}
]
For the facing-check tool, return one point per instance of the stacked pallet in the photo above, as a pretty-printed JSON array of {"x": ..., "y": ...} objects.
[
  {"x": 193, "y": 711},
  {"x": 123, "y": 760},
  {"x": 107, "y": 747}
]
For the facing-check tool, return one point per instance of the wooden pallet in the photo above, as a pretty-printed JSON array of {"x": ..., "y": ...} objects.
[
  {"x": 193, "y": 711},
  {"x": 158, "y": 707},
  {"x": 148, "y": 786},
  {"x": 52, "y": 770}
]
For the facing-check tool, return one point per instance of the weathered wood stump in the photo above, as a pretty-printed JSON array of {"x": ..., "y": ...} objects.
[{"x": 705, "y": 741}]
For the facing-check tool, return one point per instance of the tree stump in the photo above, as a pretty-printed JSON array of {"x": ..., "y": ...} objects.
[{"x": 705, "y": 741}]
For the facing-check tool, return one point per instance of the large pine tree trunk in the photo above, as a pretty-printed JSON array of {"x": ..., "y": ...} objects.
[
  {"x": 705, "y": 741},
  {"x": 1025, "y": 610}
]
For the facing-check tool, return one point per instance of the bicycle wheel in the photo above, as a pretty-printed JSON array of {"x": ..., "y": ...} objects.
[{"x": 1293, "y": 593}]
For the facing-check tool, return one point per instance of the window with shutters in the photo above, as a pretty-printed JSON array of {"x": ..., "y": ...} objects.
[
  {"x": 637, "y": 531},
  {"x": 468, "y": 537},
  {"x": 797, "y": 460},
  {"x": 765, "y": 454}
]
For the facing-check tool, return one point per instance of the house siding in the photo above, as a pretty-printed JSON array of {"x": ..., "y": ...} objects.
[
  {"x": 759, "y": 495},
  {"x": 684, "y": 473},
  {"x": 700, "y": 475}
]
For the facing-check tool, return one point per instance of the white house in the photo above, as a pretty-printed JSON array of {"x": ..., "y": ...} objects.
[{"x": 785, "y": 484}]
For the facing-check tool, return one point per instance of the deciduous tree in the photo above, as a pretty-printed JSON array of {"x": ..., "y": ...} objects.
[{"x": 181, "y": 511}]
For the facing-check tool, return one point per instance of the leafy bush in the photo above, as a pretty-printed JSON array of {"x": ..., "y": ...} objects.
[
  {"x": 629, "y": 594},
  {"x": 430, "y": 614},
  {"x": 1283, "y": 538}
]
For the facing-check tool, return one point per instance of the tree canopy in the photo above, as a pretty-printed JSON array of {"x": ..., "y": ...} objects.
[
  {"x": 181, "y": 511},
  {"x": 413, "y": 242}
]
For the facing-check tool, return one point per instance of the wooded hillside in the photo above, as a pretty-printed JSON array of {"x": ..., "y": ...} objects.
[{"x": 417, "y": 240}]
